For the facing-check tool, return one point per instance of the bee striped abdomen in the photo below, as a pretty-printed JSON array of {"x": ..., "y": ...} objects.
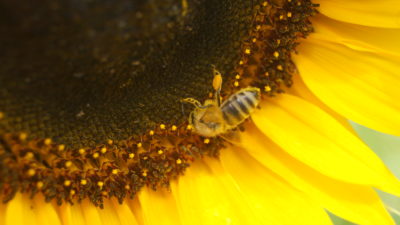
[{"x": 240, "y": 105}]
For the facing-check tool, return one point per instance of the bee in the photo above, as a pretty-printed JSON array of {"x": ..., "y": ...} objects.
[{"x": 213, "y": 118}]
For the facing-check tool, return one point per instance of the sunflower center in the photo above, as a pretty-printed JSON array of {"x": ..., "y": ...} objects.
[{"x": 90, "y": 96}]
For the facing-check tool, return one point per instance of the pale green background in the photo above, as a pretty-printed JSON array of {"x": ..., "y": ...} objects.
[{"x": 388, "y": 149}]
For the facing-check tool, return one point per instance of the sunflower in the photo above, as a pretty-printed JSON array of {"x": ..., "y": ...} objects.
[{"x": 104, "y": 140}]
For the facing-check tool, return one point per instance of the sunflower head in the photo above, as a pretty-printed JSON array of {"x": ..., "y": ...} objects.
[{"x": 91, "y": 92}]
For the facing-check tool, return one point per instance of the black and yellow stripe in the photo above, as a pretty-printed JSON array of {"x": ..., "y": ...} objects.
[{"x": 240, "y": 105}]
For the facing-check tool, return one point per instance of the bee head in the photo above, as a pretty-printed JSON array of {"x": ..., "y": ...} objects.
[{"x": 208, "y": 121}]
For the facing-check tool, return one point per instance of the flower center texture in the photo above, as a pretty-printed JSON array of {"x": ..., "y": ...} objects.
[{"x": 90, "y": 91}]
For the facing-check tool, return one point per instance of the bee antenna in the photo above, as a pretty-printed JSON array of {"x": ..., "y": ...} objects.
[{"x": 183, "y": 109}]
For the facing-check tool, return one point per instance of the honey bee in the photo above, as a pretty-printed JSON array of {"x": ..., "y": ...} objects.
[{"x": 213, "y": 118}]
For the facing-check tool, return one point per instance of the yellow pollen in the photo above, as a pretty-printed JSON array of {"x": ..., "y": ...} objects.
[
  {"x": 144, "y": 174},
  {"x": 254, "y": 40},
  {"x": 266, "y": 74},
  {"x": 61, "y": 148},
  {"x": 83, "y": 182},
  {"x": 103, "y": 150},
  {"x": 279, "y": 67},
  {"x": 96, "y": 155},
  {"x": 162, "y": 126},
  {"x": 237, "y": 77},
  {"x": 289, "y": 14},
  {"x": 178, "y": 161},
  {"x": 100, "y": 184},
  {"x": 39, "y": 184},
  {"x": 189, "y": 127},
  {"x": 236, "y": 84},
  {"x": 47, "y": 141},
  {"x": 81, "y": 151},
  {"x": 258, "y": 27},
  {"x": 31, "y": 172},
  {"x": 110, "y": 142},
  {"x": 267, "y": 88},
  {"x": 206, "y": 141},
  {"x": 281, "y": 17},
  {"x": 299, "y": 3},
  {"x": 278, "y": 41},
  {"x": 72, "y": 192},
  {"x": 131, "y": 155},
  {"x": 247, "y": 51},
  {"x": 174, "y": 128},
  {"x": 29, "y": 155},
  {"x": 67, "y": 183},
  {"x": 241, "y": 62},
  {"x": 266, "y": 3},
  {"x": 68, "y": 164},
  {"x": 160, "y": 152},
  {"x": 127, "y": 187},
  {"x": 151, "y": 132},
  {"x": 276, "y": 54},
  {"x": 23, "y": 136},
  {"x": 139, "y": 145},
  {"x": 114, "y": 171}
]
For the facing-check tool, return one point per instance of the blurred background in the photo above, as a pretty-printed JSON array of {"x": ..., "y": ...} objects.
[{"x": 387, "y": 147}]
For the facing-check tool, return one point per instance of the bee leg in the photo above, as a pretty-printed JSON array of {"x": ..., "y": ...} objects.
[
  {"x": 217, "y": 97},
  {"x": 191, "y": 119},
  {"x": 194, "y": 102}
]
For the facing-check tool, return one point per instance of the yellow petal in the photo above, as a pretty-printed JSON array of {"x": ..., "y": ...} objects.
[
  {"x": 108, "y": 215},
  {"x": 3, "y": 208},
  {"x": 271, "y": 199},
  {"x": 312, "y": 136},
  {"x": 158, "y": 207},
  {"x": 19, "y": 212},
  {"x": 202, "y": 199},
  {"x": 45, "y": 212},
  {"x": 115, "y": 213},
  {"x": 71, "y": 214},
  {"x": 360, "y": 86},
  {"x": 356, "y": 203},
  {"x": 375, "y": 39},
  {"x": 301, "y": 90},
  {"x": 92, "y": 216},
  {"x": 382, "y": 13},
  {"x": 136, "y": 209},
  {"x": 124, "y": 213}
]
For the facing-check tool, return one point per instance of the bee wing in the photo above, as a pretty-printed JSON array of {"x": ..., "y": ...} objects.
[{"x": 232, "y": 136}]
